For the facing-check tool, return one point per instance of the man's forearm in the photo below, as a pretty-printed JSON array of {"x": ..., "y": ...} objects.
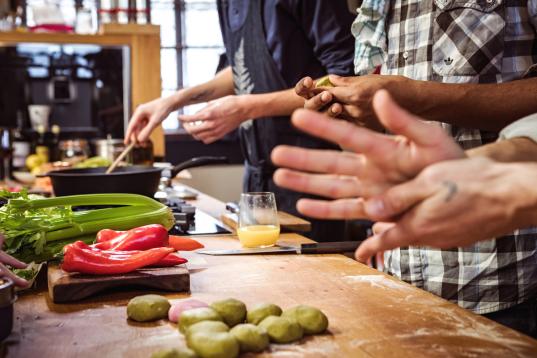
[
  {"x": 273, "y": 104},
  {"x": 481, "y": 106},
  {"x": 513, "y": 150},
  {"x": 522, "y": 191},
  {"x": 221, "y": 85}
]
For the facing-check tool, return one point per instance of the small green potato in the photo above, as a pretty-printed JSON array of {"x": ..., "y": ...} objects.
[
  {"x": 214, "y": 345},
  {"x": 206, "y": 326},
  {"x": 174, "y": 353},
  {"x": 312, "y": 319},
  {"x": 148, "y": 308},
  {"x": 196, "y": 315},
  {"x": 232, "y": 311},
  {"x": 282, "y": 329},
  {"x": 251, "y": 338},
  {"x": 324, "y": 82},
  {"x": 262, "y": 311}
]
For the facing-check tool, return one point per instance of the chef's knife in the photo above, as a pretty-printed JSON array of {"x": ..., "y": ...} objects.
[{"x": 317, "y": 248}]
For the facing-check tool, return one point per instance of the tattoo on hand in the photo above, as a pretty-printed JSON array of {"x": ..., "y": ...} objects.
[
  {"x": 452, "y": 190},
  {"x": 201, "y": 96}
]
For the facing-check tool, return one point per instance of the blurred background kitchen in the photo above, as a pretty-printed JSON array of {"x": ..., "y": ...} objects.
[{"x": 72, "y": 72}]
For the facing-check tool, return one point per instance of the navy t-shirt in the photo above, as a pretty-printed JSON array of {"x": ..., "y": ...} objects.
[{"x": 304, "y": 37}]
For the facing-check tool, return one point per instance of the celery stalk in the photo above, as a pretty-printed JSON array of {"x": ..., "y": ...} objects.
[{"x": 39, "y": 227}]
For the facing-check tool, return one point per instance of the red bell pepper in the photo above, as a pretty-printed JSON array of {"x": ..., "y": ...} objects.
[
  {"x": 80, "y": 257},
  {"x": 170, "y": 260},
  {"x": 140, "y": 238},
  {"x": 181, "y": 243},
  {"x": 108, "y": 234}
]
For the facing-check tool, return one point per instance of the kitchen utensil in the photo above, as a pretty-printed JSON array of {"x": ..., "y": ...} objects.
[
  {"x": 111, "y": 148},
  {"x": 317, "y": 248},
  {"x": 39, "y": 115},
  {"x": 67, "y": 287},
  {"x": 288, "y": 222},
  {"x": 118, "y": 160},
  {"x": 135, "y": 179},
  {"x": 73, "y": 150},
  {"x": 258, "y": 220},
  {"x": 7, "y": 298}
]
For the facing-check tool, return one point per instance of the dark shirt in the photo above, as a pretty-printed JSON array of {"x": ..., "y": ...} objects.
[{"x": 304, "y": 37}]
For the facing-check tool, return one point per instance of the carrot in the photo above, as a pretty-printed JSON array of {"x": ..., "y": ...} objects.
[{"x": 181, "y": 243}]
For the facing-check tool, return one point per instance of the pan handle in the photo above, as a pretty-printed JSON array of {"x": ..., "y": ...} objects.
[{"x": 197, "y": 162}]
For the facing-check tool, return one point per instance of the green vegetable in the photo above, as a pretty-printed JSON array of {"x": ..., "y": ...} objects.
[
  {"x": 36, "y": 229},
  {"x": 94, "y": 162},
  {"x": 324, "y": 82}
]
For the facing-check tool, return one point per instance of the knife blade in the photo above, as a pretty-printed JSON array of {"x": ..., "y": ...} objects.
[{"x": 316, "y": 248}]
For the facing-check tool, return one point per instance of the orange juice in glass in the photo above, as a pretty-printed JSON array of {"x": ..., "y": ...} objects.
[{"x": 258, "y": 220}]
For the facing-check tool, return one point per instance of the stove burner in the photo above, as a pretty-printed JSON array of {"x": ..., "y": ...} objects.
[{"x": 190, "y": 221}]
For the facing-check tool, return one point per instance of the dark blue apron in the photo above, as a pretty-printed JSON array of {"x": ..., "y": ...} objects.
[{"x": 254, "y": 71}]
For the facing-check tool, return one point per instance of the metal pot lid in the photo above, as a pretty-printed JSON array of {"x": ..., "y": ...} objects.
[{"x": 7, "y": 292}]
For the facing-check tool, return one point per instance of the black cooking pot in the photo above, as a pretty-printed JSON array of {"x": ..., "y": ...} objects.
[
  {"x": 133, "y": 179},
  {"x": 7, "y": 298}
]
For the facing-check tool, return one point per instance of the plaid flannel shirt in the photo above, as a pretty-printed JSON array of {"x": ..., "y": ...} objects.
[
  {"x": 466, "y": 41},
  {"x": 369, "y": 29}
]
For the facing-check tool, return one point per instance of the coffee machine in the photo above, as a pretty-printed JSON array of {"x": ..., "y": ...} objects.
[{"x": 83, "y": 89}]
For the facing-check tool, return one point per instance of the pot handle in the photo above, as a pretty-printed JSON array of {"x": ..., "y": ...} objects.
[{"x": 197, "y": 162}]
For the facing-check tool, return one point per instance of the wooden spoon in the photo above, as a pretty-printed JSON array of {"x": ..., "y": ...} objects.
[{"x": 120, "y": 158}]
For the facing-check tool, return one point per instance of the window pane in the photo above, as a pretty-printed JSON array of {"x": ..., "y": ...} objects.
[
  {"x": 200, "y": 65},
  {"x": 168, "y": 69},
  {"x": 163, "y": 14},
  {"x": 202, "y": 27}
]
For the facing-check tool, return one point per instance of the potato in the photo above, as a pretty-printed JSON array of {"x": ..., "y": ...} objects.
[
  {"x": 206, "y": 326},
  {"x": 184, "y": 305},
  {"x": 148, "y": 308},
  {"x": 262, "y": 311},
  {"x": 214, "y": 345},
  {"x": 232, "y": 311},
  {"x": 312, "y": 320},
  {"x": 251, "y": 338},
  {"x": 281, "y": 329},
  {"x": 174, "y": 353},
  {"x": 196, "y": 315}
]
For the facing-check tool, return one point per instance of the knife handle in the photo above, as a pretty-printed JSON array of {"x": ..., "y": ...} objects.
[
  {"x": 232, "y": 207},
  {"x": 329, "y": 247}
]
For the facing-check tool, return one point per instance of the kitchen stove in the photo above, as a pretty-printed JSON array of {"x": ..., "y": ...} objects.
[{"x": 191, "y": 221}]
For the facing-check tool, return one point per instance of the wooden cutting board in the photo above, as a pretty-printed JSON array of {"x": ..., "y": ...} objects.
[
  {"x": 288, "y": 222},
  {"x": 68, "y": 287}
]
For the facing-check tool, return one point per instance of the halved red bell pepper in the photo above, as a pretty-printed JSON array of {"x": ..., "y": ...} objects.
[
  {"x": 80, "y": 257},
  {"x": 140, "y": 238}
]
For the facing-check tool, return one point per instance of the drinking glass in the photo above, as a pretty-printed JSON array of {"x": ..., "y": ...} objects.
[{"x": 258, "y": 220}]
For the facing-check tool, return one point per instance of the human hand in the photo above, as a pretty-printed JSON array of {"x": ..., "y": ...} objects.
[
  {"x": 377, "y": 163},
  {"x": 452, "y": 204},
  {"x": 217, "y": 119},
  {"x": 351, "y": 98},
  {"x": 317, "y": 99},
  {"x": 5, "y": 259},
  {"x": 147, "y": 117}
]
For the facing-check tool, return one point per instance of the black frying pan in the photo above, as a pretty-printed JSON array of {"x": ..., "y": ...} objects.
[{"x": 135, "y": 179}]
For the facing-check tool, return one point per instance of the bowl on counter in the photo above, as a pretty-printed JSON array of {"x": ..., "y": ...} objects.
[{"x": 7, "y": 299}]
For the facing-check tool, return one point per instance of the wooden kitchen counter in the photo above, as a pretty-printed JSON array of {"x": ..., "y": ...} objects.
[{"x": 371, "y": 314}]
